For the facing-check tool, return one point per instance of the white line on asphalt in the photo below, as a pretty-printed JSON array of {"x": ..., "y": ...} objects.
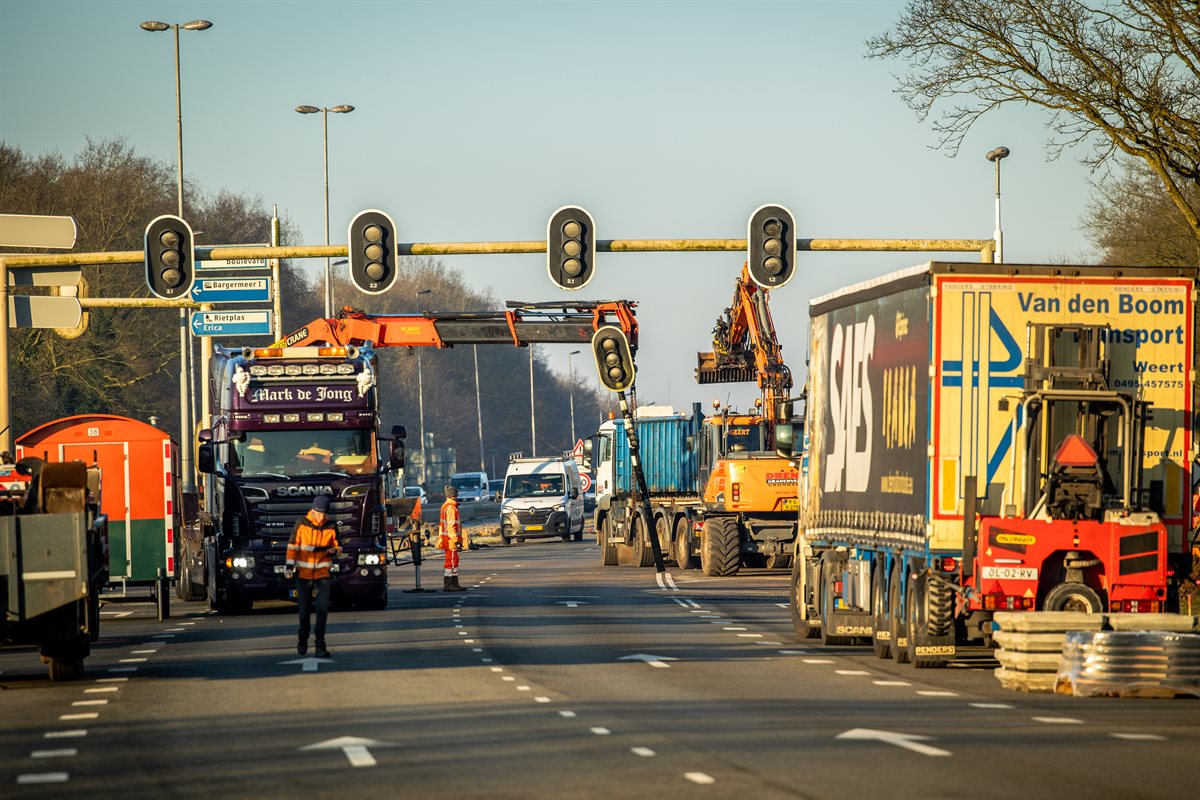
[
  {"x": 132, "y": 660},
  {"x": 851, "y": 672},
  {"x": 122, "y": 669},
  {"x": 931, "y": 693},
  {"x": 644, "y": 752},
  {"x": 468, "y": 641},
  {"x": 818, "y": 660},
  {"x": 164, "y": 636},
  {"x": 111, "y": 680},
  {"x": 1139, "y": 737},
  {"x": 102, "y": 689},
  {"x": 680, "y": 602},
  {"x": 772, "y": 644},
  {"x": 601, "y": 731},
  {"x": 891, "y": 683},
  {"x": 793, "y": 652},
  {"x": 692, "y": 603},
  {"x": 142, "y": 652},
  {"x": 187, "y": 623},
  {"x": 476, "y": 649},
  {"x": 782, "y": 605},
  {"x": 43, "y": 777},
  {"x": 72, "y": 734},
  {"x": 486, "y": 660},
  {"x": 567, "y": 714},
  {"x": 463, "y": 633},
  {"x": 508, "y": 678},
  {"x": 87, "y": 715},
  {"x": 66, "y": 752},
  {"x": 699, "y": 777},
  {"x": 658, "y": 577},
  {"x": 992, "y": 705},
  {"x": 734, "y": 628},
  {"x": 497, "y": 669},
  {"x": 90, "y": 703},
  {"x": 671, "y": 582},
  {"x": 1058, "y": 720},
  {"x": 115, "y": 613},
  {"x": 522, "y": 688},
  {"x": 541, "y": 699},
  {"x": 750, "y": 635},
  {"x": 173, "y": 630}
]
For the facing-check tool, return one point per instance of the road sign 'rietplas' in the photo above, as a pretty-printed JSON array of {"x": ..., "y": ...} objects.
[
  {"x": 231, "y": 323},
  {"x": 231, "y": 290}
]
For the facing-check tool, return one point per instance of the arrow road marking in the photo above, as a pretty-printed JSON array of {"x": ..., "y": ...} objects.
[
  {"x": 354, "y": 747},
  {"x": 309, "y": 664},
  {"x": 655, "y": 661},
  {"x": 909, "y": 741},
  {"x": 571, "y": 603}
]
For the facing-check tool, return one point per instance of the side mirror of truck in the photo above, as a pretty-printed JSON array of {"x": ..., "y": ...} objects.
[
  {"x": 205, "y": 435},
  {"x": 396, "y": 450},
  {"x": 206, "y": 461},
  {"x": 399, "y": 432},
  {"x": 785, "y": 440},
  {"x": 574, "y": 493}
]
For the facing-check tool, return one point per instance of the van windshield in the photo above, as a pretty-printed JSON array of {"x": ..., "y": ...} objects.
[
  {"x": 466, "y": 482},
  {"x": 534, "y": 485}
]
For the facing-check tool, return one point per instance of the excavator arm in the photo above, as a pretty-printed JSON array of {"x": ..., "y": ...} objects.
[{"x": 520, "y": 324}]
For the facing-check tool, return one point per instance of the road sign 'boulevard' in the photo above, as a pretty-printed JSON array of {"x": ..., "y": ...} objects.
[
  {"x": 231, "y": 323},
  {"x": 231, "y": 290}
]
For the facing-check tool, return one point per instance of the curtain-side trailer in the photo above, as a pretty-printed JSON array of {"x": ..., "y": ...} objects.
[{"x": 993, "y": 437}]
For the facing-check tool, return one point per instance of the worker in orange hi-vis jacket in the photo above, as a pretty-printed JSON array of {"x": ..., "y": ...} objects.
[
  {"x": 450, "y": 539},
  {"x": 310, "y": 553}
]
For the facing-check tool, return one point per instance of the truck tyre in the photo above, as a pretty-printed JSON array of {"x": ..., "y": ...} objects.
[
  {"x": 896, "y": 616},
  {"x": 802, "y": 623},
  {"x": 663, "y": 529},
  {"x": 883, "y": 623},
  {"x": 827, "y": 605},
  {"x": 719, "y": 547},
  {"x": 93, "y": 613},
  {"x": 683, "y": 555},
  {"x": 939, "y": 608},
  {"x": 917, "y": 623},
  {"x": 643, "y": 553},
  {"x": 188, "y": 590},
  {"x": 1077, "y": 597},
  {"x": 779, "y": 561},
  {"x": 65, "y": 669},
  {"x": 608, "y": 550}
]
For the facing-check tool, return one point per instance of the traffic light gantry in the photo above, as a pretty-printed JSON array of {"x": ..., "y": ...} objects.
[
  {"x": 571, "y": 247},
  {"x": 771, "y": 246},
  {"x": 170, "y": 257},
  {"x": 372, "y": 249}
]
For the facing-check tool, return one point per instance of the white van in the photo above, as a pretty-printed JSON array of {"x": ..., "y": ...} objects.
[
  {"x": 472, "y": 486},
  {"x": 542, "y": 498}
]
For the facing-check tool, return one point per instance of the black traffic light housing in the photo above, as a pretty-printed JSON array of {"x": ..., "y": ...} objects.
[
  {"x": 372, "y": 248},
  {"x": 771, "y": 246},
  {"x": 614, "y": 358},
  {"x": 170, "y": 257},
  {"x": 571, "y": 247}
]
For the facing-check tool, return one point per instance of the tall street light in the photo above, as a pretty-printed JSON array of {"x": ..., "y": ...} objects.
[
  {"x": 532, "y": 419},
  {"x": 571, "y": 370},
  {"x": 185, "y": 368},
  {"x": 479, "y": 408},
  {"x": 996, "y": 155},
  {"x": 342, "y": 109},
  {"x": 421, "y": 398}
]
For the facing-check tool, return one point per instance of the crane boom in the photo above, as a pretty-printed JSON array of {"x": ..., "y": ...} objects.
[{"x": 520, "y": 324}]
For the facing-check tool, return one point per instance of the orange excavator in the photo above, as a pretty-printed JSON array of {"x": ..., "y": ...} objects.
[{"x": 750, "y": 495}]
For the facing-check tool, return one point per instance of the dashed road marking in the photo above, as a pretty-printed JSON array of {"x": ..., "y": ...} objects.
[
  {"x": 992, "y": 705},
  {"x": 733, "y": 628},
  {"x": 65, "y": 752},
  {"x": 567, "y": 714},
  {"x": 90, "y": 702},
  {"x": 541, "y": 699},
  {"x": 644, "y": 752},
  {"x": 132, "y": 660},
  {"x": 87, "y": 715},
  {"x": 601, "y": 731},
  {"x": 522, "y": 688},
  {"x": 508, "y": 678},
  {"x": 851, "y": 672},
  {"x": 749, "y": 635},
  {"x": 497, "y": 669},
  {"x": 1139, "y": 737},
  {"x": 43, "y": 777},
  {"x": 771, "y": 644},
  {"x": 700, "y": 777},
  {"x": 932, "y": 693},
  {"x": 818, "y": 661},
  {"x": 792, "y": 652},
  {"x": 71, "y": 734},
  {"x": 892, "y": 683},
  {"x": 468, "y": 641},
  {"x": 102, "y": 689},
  {"x": 142, "y": 652},
  {"x": 486, "y": 660},
  {"x": 1058, "y": 720},
  {"x": 111, "y": 680}
]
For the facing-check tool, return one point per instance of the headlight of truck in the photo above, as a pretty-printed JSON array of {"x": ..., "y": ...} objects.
[
  {"x": 240, "y": 562},
  {"x": 370, "y": 559}
]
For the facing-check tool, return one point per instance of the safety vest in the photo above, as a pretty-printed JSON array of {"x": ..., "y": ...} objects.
[
  {"x": 309, "y": 549},
  {"x": 416, "y": 512},
  {"x": 449, "y": 525}
]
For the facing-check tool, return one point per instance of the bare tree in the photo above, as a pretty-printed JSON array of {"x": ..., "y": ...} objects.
[
  {"x": 1119, "y": 75},
  {"x": 1132, "y": 222}
]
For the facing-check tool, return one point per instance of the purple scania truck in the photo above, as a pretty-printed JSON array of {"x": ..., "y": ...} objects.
[{"x": 290, "y": 424}]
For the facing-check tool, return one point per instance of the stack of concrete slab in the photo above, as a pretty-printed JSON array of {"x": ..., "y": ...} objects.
[
  {"x": 1031, "y": 646},
  {"x": 1130, "y": 662}
]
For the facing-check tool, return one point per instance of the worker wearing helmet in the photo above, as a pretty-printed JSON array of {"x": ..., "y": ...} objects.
[
  {"x": 450, "y": 539},
  {"x": 310, "y": 553}
]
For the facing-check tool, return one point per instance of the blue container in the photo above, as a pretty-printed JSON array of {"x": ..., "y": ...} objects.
[{"x": 670, "y": 464}]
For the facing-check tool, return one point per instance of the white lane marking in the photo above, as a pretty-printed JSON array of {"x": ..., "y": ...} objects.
[
  {"x": 122, "y": 669},
  {"x": 508, "y": 678},
  {"x": 644, "y": 752},
  {"x": 1139, "y": 737},
  {"x": 571, "y": 603},
  {"x": 700, "y": 611},
  {"x": 65, "y": 752},
  {"x": 102, "y": 702},
  {"x": 102, "y": 689},
  {"x": 522, "y": 688},
  {"x": 771, "y": 644},
  {"x": 700, "y": 777},
  {"x": 115, "y": 613},
  {"x": 659, "y": 662},
  {"x": 497, "y": 669},
  {"x": 71, "y": 734},
  {"x": 187, "y": 623},
  {"x": 174, "y": 630},
  {"x": 567, "y": 714},
  {"x": 111, "y": 680},
  {"x": 541, "y": 699},
  {"x": 733, "y": 628},
  {"x": 818, "y": 660},
  {"x": 468, "y": 641},
  {"x": 679, "y": 601},
  {"x": 692, "y": 603},
  {"x": 476, "y": 649},
  {"x": 992, "y": 705},
  {"x": 601, "y": 731},
  {"x": 782, "y": 605},
  {"x": 909, "y": 741},
  {"x": 1058, "y": 720},
  {"x": 793, "y": 652},
  {"x": 485, "y": 660},
  {"x": 164, "y": 636},
  {"x": 42, "y": 777},
  {"x": 463, "y": 633},
  {"x": 891, "y": 683},
  {"x": 658, "y": 576},
  {"x": 88, "y": 715},
  {"x": 931, "y": 693},
  {"x": 132, "y": 660},
  {"x": 671, "y": 582},
  {"x": 749, "y": 635},
  {"x": 851, "y": 672},
  {"x": 142, "y": 652}
]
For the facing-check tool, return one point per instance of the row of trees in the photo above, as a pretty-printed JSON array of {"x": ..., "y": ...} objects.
[{"x": 127, "y": 362}]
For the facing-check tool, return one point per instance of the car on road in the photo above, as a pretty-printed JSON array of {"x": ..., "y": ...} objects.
[{"x": 416, "y": 491}]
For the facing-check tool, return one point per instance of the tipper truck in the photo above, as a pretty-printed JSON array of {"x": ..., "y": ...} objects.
[{"x": 993, "y": 437}]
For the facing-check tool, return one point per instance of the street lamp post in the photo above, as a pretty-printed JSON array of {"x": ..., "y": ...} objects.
[
  {"x": 996, "y": 155},
  {"x": 571, "y": 370},
  {"x": 478, "y": 407},
  {"x": 185, "y": 367},
  {"x": 421, "y": 400},
  {"x": 532, "y": 418},
  {"x": 341, "y": 109}
]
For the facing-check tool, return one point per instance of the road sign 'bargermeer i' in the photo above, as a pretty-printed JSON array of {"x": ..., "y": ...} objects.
[{"x": 231, "y": 290}]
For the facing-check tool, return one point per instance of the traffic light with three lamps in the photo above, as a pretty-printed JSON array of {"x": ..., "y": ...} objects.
[
  {"x": 771, "y": 246},
  {"x": 372, "y": 248},
  {"x": 614, "y": 358},
  {"x": 170, "y": 257},
  {"x": 571, "y": 247}
]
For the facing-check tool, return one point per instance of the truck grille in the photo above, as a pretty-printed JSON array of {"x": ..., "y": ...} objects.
[{"x": 278, "y": 517}]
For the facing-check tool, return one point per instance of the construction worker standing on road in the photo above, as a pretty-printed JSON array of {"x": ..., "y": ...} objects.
[
  {"x": 415, "y": 517},
  {"x": 310, "y": 553},
  {"x": 450, "y": 539}
]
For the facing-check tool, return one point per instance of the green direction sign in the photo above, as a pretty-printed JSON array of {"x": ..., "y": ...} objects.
[
  {"x": 26, "y": 230},
  {"x": 38, "y": 311}
]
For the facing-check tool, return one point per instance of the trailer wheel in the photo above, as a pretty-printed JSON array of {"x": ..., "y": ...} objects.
[
  {"x": 917, "y": 623},
  {"x": 896, "y": 617},
  {"x": 643, "y": 553},
  {"x": 1076, "y": 597},
  {"x": 939, "y": 608},
  {"x": 827, "y": 603},
  {"x": 719, "y": 549},
  {"x": 663, "y": 529},
  {"x": 683, "y": 553},
  {"x": 778, "y": 561},
  {"x": 608, "y": 550},
  {"x": 802, "y": 623},
  {"x": 883, "y": 622},
  {"x": 188, "y": 589},
  {"x": 65, "y": 669}
]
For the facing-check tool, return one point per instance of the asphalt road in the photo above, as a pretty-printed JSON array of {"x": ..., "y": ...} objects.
[{"x": 555, "y": 677}]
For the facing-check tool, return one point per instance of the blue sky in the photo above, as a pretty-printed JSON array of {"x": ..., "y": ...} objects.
[{"x": 474, "y": 121}]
